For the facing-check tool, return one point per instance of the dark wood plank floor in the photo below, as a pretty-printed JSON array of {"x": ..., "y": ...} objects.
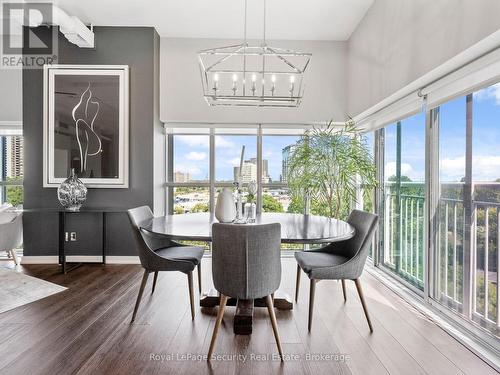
[{"x": 86, "y": 330}]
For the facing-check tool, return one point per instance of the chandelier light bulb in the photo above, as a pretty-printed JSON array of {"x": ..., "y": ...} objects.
[
  {"x": 235, "y": 80},
  {"x": 292, "y": 84},
  {"x": 273, "y": 80},
  {"x": 216, "y": 81},
  {"x": 254, "y": 78}
]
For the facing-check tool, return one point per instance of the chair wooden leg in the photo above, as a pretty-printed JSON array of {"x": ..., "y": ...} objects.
[
  {"x": 297, "y": 283},
  {"x": 272, "y": 316},
  {"x": 154, "y": 282},
  {"x": 199, "y": 277},
  {"x": 191, "y": 294},
  {"x": 220, "y": 314},
  {"x": 343, "y": 290},
  {"x": 14, "y": 256},
  {"x": 362, "y": 298},
  {"x": 312, "y": 290},
  {"x": 139, "y": 296}
]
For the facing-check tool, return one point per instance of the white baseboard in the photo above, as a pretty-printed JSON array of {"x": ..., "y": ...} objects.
[
  {"x": 119, "y": 259},
  {"x": 46, "y": 259},
  {"x": 54, "y": 259}
]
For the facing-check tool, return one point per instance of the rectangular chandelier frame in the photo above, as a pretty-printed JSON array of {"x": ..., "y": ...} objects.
[{"x": 236, "y": 84}]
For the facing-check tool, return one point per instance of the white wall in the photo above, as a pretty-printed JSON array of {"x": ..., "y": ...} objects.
[
  {"x": 400, "y": 40},
  {"x": 182, "y": 95},
  {"x": 159, "y": 142},
  {"x": 11, "y": 94},
  {"x": 11, "y": 90}
]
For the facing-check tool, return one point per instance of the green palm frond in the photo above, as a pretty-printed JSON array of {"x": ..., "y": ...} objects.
[{"x": 329, "y": 164}]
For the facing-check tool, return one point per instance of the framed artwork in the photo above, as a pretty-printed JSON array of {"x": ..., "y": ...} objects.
[{"x": 86, "y": 111}]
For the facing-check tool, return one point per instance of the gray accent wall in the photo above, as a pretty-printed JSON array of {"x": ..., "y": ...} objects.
[{"x": 137, "y": 47}]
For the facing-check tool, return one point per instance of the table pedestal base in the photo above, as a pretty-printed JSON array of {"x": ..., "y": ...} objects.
[{"x": 243, "y": 316}]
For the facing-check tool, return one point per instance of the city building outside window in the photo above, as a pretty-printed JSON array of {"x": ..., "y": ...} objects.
[{"x": 12, "y": 170}]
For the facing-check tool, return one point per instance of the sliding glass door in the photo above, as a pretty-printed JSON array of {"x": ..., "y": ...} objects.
[
  {"x": 486, "y": 206},
  {"x": 404, "y": 199},
  {"x": 466, "y": 273},
  {"x": 452, "y": 204}
]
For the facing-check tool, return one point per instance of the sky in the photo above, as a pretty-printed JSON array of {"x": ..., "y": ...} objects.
[
  {"x": 485, "y": 146},
  {"x": 191, "y": 154}
]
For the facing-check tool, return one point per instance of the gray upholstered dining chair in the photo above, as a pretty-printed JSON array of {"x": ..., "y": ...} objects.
[
  {"x": 160, "y": 253},
  {"x": 246, "y": 264},
  {"x": 340, "y": 260}
]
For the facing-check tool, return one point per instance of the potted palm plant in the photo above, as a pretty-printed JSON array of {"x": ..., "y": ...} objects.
[{"x": 329, "y": 164}]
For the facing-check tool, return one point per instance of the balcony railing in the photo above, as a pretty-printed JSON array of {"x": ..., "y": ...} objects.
[
  {"x": 450, "y": 244},
  {"x": 486, "y": 242},
  {"x": 404, "y": 250}
]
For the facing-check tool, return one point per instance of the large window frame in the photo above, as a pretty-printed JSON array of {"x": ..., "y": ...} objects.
[
  {"x": 467, "y": 319},
  {"x": 259, "y": 130}
]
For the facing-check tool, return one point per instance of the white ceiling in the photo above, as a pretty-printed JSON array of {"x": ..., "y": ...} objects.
[{"x": 286, "y": 19}]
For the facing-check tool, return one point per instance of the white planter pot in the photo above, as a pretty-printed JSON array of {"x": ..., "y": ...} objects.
[{"x": 225, "y": 209}]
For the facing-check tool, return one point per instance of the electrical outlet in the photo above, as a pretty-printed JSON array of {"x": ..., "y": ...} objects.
[{"x": 72, "y": 236}]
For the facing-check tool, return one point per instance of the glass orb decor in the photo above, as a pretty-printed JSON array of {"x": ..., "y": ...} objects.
[{"x": 72, "y": 192}]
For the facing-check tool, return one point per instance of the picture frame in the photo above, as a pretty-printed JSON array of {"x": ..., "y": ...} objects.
[{"x": 86, "y": 124}]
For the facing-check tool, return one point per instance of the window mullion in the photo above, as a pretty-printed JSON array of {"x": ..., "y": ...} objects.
[
  {"x": 211, "y": 204},
  {"x": 379, "y": 196},
  {"x": 431, "y": 251},
  {"x": 469, "y": 222},
  {"x": 259, "y": 169}
]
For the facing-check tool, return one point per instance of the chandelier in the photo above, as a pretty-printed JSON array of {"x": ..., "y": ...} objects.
[{"x": 249, "y": 75}]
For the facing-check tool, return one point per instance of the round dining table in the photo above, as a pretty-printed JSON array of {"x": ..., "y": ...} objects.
[{"x": 295, "y": 229}]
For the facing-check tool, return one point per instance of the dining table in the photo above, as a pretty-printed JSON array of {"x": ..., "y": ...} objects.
[{"x": 295, "y": 229}]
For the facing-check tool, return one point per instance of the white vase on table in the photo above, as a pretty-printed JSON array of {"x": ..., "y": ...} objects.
[{"x": 225, "y": 209}]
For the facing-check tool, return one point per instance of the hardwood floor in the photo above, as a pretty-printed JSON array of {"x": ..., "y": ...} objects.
[{"x": 86, "y": 330}]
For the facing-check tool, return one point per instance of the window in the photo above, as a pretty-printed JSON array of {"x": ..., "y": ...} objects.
[
  {"x": 450, "y": 239},
  {"x": 191, "y": 199},
  {"x": 189, "y": 173},
  {"x": 275, "y": 153},
  {"x": 228, "y": 157},
  {"x": 404, "y": 198},
  {"x": 190, "y": 158},
  {"x": 12, "y": 170},
  {"x": 439, "y": 174},
  {"x": 193, "y": 186},
  {"x": 469, "y": 206},
  {"x": 367, "y": 196},
  {"x": 486, "y": 203}
]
